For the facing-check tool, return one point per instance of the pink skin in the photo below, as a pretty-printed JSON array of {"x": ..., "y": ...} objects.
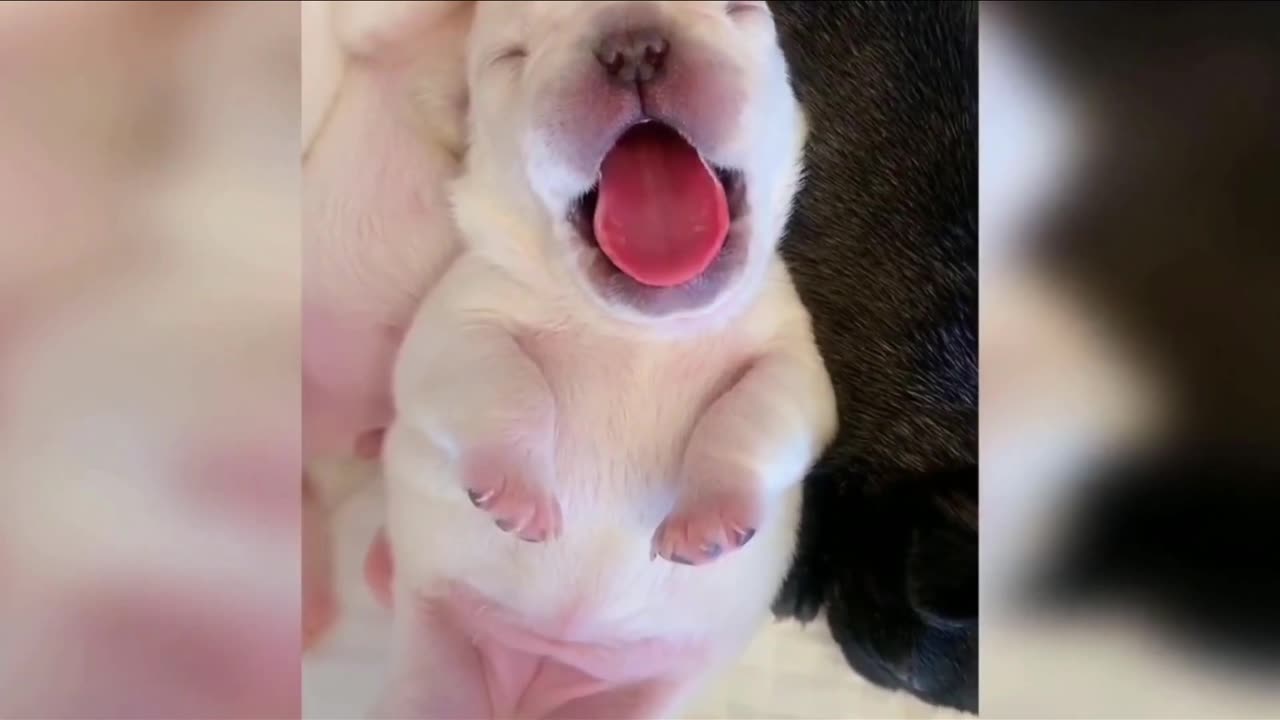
[
  {"x": 484, "y": 664},
  {"x": 124, "y": 638},
  {"x": 160, "y": 650},
  {"x": 481, "y": 666},
  {"x": 151, "y": 643},
  {"x": 495, "y": 482},
  {"x": 708, "y": 524},
  {"x": 379, "y": 568}
]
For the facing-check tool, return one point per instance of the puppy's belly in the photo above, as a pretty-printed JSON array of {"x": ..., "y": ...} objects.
[
  {"x": 505, "y": 636},
  {"x": 624, "y": 419},
  {"x": 529, "y": 672},
  {"x": 593, "y": 586},
  {"x": 596, "y": 584},
  {"x": 590, "y": 608}
]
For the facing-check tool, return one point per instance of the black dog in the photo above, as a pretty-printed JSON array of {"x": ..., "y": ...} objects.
[{"x": 883, "y": 249}]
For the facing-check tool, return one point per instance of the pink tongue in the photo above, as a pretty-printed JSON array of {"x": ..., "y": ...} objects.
[{"x": 662, "y": 216}]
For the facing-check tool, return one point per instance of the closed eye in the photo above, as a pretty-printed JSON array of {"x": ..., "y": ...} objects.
[
  {"x": 514, "y": 52},
  {"x": 745, "y": 7}
]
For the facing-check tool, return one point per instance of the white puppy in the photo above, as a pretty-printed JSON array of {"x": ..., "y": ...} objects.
[{"x": 628, "y": 391}]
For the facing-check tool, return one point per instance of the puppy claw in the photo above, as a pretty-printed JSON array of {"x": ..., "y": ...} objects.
[
  {"x": 517, "y": 505},
  {"x": 479, "y": 499},
  {"x": 700, "y": 531}
]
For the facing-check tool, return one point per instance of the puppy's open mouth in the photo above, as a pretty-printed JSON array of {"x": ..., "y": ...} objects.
[{"x": 660, "y": 216}]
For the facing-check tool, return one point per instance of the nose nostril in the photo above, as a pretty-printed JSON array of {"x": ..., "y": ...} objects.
[
  {"x": 635, "y": 56},
  {"x": 655, "y": 53},
  {"x": 607, "y": 52},
  {"x": 613, "y": 61}
]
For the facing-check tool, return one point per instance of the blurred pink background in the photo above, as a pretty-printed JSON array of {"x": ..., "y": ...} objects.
[{"x": 149, "y": 401}]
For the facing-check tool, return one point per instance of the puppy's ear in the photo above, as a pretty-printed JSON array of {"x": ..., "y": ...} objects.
[{"x": 942, "y": 564}]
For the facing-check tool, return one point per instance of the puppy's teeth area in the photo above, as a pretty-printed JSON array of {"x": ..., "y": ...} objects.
[
  {"x": 735, "y": 190},
  {"x": 583, "y": 212}
]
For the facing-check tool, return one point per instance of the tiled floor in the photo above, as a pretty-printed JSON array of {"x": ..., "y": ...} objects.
[{"x": 789, "y": 671}]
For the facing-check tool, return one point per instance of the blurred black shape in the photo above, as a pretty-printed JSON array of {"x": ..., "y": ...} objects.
[
  {"x": 1172, "y": 230},
  {"x": 1192, "y": 540}
]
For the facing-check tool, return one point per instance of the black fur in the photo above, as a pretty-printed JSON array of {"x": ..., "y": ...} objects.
[{"x": 883, "y": 249}]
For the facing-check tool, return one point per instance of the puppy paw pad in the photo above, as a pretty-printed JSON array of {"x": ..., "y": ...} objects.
[
  {"x": 699, "y": 532},
  {"x": 517, "y": 506}
]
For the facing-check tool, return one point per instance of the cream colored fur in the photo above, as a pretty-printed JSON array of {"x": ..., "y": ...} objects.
[{"x": 614, "y": 417}]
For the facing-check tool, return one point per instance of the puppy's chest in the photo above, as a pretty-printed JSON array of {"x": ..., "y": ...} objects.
[{"x": 625, "y": 408}]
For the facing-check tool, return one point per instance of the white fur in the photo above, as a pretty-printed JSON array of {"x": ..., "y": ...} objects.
[
  {"x": 620, "y": 417},
  {"x": 383, "y": 106}
]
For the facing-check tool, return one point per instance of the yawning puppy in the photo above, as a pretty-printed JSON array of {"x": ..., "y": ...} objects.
[{"x": 606, "y": 404}]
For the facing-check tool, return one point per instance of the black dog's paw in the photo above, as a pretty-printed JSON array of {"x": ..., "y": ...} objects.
[
  {"x": 802, "y": 595},
  {"x": 942, "y": 567},
  {"x": 903, "y": 602},
  {"x": 804, "y": 592}
]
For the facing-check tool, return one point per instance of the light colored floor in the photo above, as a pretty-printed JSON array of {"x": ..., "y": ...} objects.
[{"x": 789, "y": 671}]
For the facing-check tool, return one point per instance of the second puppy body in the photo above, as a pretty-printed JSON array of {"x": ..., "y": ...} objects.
[{"x": 593, "y": 479}]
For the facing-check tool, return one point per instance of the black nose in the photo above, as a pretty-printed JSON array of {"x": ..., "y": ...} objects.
[{"x": 633, "y": 56}]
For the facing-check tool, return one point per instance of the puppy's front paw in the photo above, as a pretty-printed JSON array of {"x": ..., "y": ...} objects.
[
  {"x": 503, "y": 484},
  {"x": 704, "y": 526}
]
